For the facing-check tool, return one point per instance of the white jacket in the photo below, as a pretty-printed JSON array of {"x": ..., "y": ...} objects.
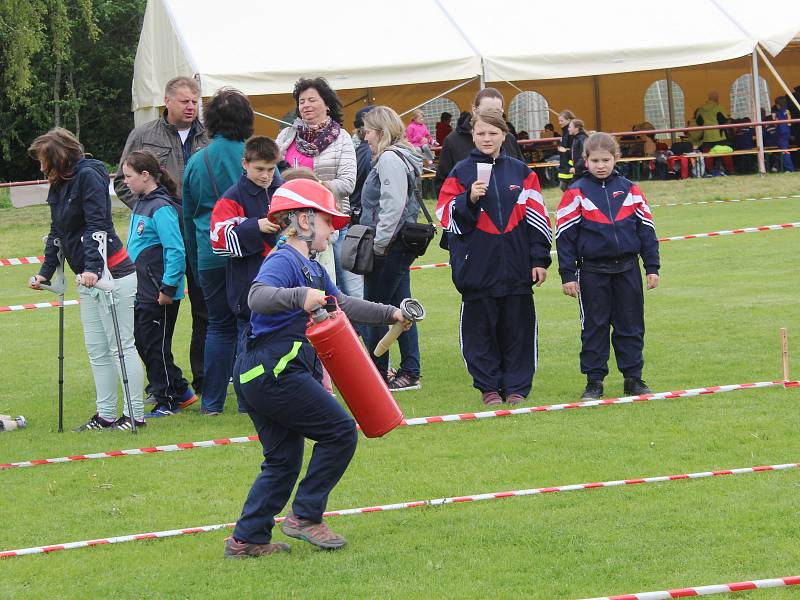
[{"x": 335, "y": 165}]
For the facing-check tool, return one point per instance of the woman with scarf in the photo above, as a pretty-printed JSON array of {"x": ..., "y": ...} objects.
[{"x": 318, "y": 141}]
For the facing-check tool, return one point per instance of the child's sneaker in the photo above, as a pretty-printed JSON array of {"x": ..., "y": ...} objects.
[
  {"x": 236, "y": 549},
  {"x": 515, "y": 399},
  {"x": 634, "y": 386},
  {"x": 404, "y": 381},
  {"x": 317, "y": 534},
  {"x": 491, "y": 398},
  {"x": 95, "y": 423},
  {"x": 163, "y": 409},
  {"x": 124, "y": 424},
  {"x": 188, "y": 398},
  {"x": 593, "y": 391}
]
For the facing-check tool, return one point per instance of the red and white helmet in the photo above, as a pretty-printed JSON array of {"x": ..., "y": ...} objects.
[{"x": 298, "y": 194}]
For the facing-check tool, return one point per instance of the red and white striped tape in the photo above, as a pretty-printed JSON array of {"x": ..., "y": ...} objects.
[
  {"x": 15, "y": 307},
  {"x": 413, "y": 504},
  {"x": 24, "y": 260},
  {"x": 707, "y": 590},
  {"x": 676, "y": 238},
  {"x": 415, "y": 421}
]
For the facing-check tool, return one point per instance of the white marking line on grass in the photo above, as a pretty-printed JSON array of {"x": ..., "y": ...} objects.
[
  {"x": 413, "y": 504},
  {"x": 707, "y": 590},
  {"x": 717, "y": 389}
]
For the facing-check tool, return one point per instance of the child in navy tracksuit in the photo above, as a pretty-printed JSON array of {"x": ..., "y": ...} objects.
[
  {"x": 156, "y": 247},
  {"x": 603, "y": 226},
  {"x": 278, "y": 377},
  {"x": 499, "y": 234},
  {"x": 240, "y": 228}
]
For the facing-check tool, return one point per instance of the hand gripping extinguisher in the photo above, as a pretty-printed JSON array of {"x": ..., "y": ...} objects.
[{"x": 353, "y": 372}]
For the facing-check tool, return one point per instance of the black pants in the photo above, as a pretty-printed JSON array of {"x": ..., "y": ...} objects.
[
  {"x": 153, "y": 329},
  {"x": 498, "y": 342},
  {"x": 199, "y": 327},
  {"x": 286, "y": 408},
  {"x": 611, "y": 300}
]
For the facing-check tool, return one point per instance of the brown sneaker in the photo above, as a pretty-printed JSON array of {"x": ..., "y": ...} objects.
[
  {"x": 234, "y": 549},
  {"x": 514, "y": 399},
  {"x": 313, "y": 533},
  {"x": 491, "y": 398}
]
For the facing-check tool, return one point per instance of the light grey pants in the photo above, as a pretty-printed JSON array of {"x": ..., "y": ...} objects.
[{"x": 101, "y": 345}]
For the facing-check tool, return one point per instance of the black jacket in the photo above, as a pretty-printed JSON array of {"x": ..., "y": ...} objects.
[
  {"x": 577, "y": 153},
  {"x": 78, "y": 208},
  {"x": 457, "y": 146},
  {"x": 565, "y": 158}
]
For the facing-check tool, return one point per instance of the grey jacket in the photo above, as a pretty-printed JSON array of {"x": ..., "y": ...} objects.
[
  {"x": 162, "y": 139},
  {"x": 336, "y": 165},
  {"x": 386, "y": 199}
]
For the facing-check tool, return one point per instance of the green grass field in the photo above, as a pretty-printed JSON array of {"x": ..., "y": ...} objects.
[{"x": 713, "y": 320}]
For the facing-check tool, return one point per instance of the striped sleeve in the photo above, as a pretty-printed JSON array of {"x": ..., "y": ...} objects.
[
  {"x": 225, "y": 217},
  {"x": 535, "y": 209},
  {"x": 646, "y": 231},
  {"x": 569, "y": 211},
  {"x": 567, "y": 216},
  {"x": 451, "y": 188},
  {"x": 642, "y": 208}
]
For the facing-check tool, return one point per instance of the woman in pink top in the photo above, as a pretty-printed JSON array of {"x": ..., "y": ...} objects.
[{"x": 418, "y": 135}]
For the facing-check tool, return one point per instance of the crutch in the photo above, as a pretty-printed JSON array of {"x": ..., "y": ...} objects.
[
  {"x": 106, "y": 284},
  {"x": 57, "y": 285}
]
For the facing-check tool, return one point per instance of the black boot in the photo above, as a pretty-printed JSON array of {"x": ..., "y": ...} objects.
[
  {"x": 593, "y": 391},
  {"x": 634, "y": 386}
]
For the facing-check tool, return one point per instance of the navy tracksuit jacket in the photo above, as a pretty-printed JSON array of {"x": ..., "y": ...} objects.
[
  {"x": 602, "y": 228},
  {"x": 494, "y": 245}
]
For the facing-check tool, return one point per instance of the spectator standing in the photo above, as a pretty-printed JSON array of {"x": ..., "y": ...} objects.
[
  {"x": 565, "y": 175},
  {"x": 172, "y": 139},
  {"x": 578, "y": 133},
  {"x": 443, "y": 127},
  {"x": 783, "y": 131},
  {"x": 229, "y": 121}
]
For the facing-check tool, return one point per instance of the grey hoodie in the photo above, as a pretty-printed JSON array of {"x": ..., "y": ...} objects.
[{"x": 387, "y": 200}]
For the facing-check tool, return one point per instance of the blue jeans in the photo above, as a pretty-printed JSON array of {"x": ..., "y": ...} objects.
[
  {"x": 221, "y": 340},
  {"x": 390, "y": 285},
  {"x": 350, "y": 283}
]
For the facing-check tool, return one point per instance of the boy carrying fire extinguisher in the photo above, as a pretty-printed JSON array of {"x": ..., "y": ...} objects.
[{"x": 278, "y": 377}]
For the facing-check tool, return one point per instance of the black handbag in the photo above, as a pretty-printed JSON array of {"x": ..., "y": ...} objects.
[
  {"x": 416, "y": 237},
  {"x": 357, "y": 254}
]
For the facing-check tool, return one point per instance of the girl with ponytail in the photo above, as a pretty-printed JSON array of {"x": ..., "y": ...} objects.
[{"x": 156, "y": 247}]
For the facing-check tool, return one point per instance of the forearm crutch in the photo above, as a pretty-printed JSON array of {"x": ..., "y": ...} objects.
[
  {"x": 56, "y": 284},
  {"x": 106, "y": 284}
]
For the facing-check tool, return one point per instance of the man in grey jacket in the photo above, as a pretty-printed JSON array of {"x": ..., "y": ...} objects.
[{"x": 173, "y": 138}]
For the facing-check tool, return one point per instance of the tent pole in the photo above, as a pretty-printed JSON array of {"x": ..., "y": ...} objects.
[
  {"x": 596, "y": 90},
  {"x": 777, "y": 76},
  {"x": 520, "y": 90},
  {"x": 483, "y": 74},
  {"x": 671, "y": 105},
  {"x": 271, "y": 118},
  {"x": 452, "y": 89},
  {"x": 757, "y": 114}
]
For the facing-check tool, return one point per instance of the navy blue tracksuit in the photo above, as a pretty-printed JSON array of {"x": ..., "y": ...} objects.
[
  {"x": 494, "y": 245},
  {"x": 603, "y": 226},
  {"x": 278, "y": 378}
]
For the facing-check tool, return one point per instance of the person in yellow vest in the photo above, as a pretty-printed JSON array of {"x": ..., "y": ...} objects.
[{"x": 711, "y": 113}]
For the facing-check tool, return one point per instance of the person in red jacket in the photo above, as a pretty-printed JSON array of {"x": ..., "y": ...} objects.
[
  {"x": 603, "y": 225},
  {"x": 499, "y": 232}
]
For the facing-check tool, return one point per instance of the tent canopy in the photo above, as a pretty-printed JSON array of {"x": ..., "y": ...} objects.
[{"x": 250, "y": 46}]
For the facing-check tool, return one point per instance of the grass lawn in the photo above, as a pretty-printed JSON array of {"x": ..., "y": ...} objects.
[{"x": 713, "y": 320}]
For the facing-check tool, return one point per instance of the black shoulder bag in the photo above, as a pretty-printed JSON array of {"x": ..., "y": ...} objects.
[{"x": 416, "y": 237}]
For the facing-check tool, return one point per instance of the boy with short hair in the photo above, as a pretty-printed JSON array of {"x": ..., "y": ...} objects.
[{"x": 240, "y": 229}]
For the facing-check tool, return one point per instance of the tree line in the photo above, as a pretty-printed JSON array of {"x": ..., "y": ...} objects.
[{"x": 66, "y": 63}]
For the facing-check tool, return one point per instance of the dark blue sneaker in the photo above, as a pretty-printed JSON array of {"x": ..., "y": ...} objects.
[{"x": 162, "y": 410}]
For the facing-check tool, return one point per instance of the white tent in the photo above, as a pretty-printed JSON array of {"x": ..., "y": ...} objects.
[{"x": 261, "y": 49}]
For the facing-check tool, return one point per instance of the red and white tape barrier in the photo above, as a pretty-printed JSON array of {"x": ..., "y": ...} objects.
[
  {"x": 15, "y": 307},
  {"x": 717, "y": 389},
  {"x": 24, "y": 260},
  {"x": 676, "y": 238},
  {"x": 413, "y": 504},
  {"x": 707, "y": 590},
  {"x": 35, "y": 260}
]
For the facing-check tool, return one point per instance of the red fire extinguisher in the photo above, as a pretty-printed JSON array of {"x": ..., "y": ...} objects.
[{"x": 353, "y": 372}]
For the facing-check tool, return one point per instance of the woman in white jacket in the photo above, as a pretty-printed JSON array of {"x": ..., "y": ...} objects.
[{"x": 318, "y": 141}]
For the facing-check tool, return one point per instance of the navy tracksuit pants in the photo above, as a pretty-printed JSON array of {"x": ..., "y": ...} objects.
[
  {"x": 611, "y": 301},
  {"x": 287, "y": 408},
  {"x": 499, "y": 343}
]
